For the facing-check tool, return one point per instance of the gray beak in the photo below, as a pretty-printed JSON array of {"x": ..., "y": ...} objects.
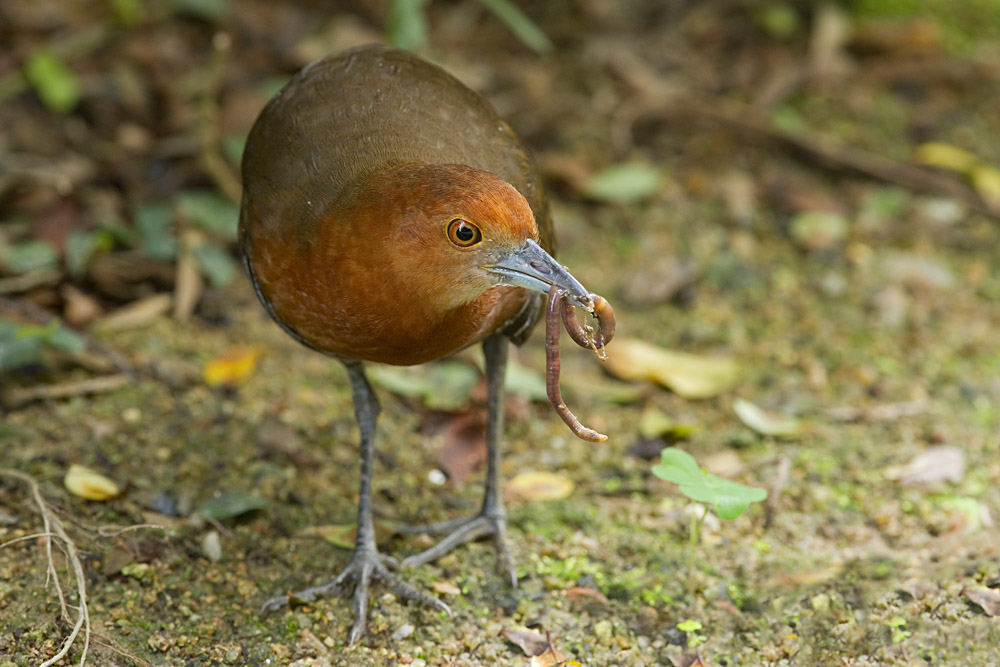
[{"x": 530, "y": 267}]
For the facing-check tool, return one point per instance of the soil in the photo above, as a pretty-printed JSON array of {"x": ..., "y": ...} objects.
[{"x": 790, "y": 226}]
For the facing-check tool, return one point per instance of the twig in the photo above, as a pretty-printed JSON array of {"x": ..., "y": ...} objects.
[
  {"x": 53, "y": 527},
  {"x": 777, "y": 486},
  {"x": 825, "y": 153},
  {"x": 16, "y": 397},
  {"x": 208, "y": 121}
]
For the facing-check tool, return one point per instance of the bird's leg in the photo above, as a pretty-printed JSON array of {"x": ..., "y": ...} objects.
[
  {"x": 492, "y": 518},
  {"x": 367, "y": 564}
]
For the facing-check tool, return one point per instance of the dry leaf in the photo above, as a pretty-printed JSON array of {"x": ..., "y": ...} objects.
[
  {"x": 765, "y": 423},
  {"x": 539, "y": 486},
  {"x": 233, "y": 367},
  {"x": 137, "y": 314},
  {"x": 941, "y": 463},
  {"x": 551, "y": 658},
  {"x": 188, "y": 284},
  {"x": 689, "y": 375},
  {"x": 464, "y": 447},
  {"x": 585, "y": 591},
  {"x": 86, "y": 483},
  {"x": 988, "y": 599},
  {"x": 530, "y": 641}
]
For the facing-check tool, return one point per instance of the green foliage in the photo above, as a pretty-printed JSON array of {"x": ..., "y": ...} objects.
[
  {"x": 23, "y": 344},
  {"x": 215, "y": 263},
  {"x": 82, "y": 245},
  {"x": 231, "y": 505},
  {"x": 626, "y": 183},
  {"x": 520, "y": 24},
  {"x": 154, "y": 223},
  {"x": 55, "y": 84},
  {"x": 691, "y": 628},
  {"x": 407, "y": 24},
  {"x": 211, "y": 211},
  {"x": 729, "y": 498},
  {"x": 29, "y": 256}
]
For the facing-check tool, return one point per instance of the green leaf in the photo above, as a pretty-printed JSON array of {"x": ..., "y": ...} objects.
[
  {"x": 730, "y": 499},
  {"x": 29, "y": 256},
  {"x": 406, "y": 24},
  {"x": 211, "y": 211},
  {"x": 626, "y": 183},
  {"x": 211, "y": 11},
  {"x": 689, "y": 626},
  {"x": 55, "y": 84},
  {"x": 442, "y": 386},
  {"x": 81, "y": 246},
  {"x": 16, "y": 349},
  {"x": 525, "y": 382},
  {"x": 215, "y": 263},
  {"x": 230, "y": 505},
  {"x": 22, "y": 344},
  {"x": 154, "y": 222},
  {"x": 67, "y": 340},
  {"x": 519, "y": 23}
]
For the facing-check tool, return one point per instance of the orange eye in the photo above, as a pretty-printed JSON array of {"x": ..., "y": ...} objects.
[{"x": 463, "y": 233}]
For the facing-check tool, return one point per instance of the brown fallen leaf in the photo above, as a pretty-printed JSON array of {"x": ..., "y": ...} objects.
[
  {"x": 538, "y": 486},
  {"x": 463, "y": 449},
  {"x": 940, "y": 463},
  {"x": 233, "y": 367},
  {"x": 585, "y": 591},
  {"x": 689, "y": 375},
  {"x": 987, "y": 599},
  {"x": 530, "y": 641}
]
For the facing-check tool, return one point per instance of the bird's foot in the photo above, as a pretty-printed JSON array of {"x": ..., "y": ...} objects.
[
  {"x": 366, "y": 566},
  {"x": 460, "y": 531}
]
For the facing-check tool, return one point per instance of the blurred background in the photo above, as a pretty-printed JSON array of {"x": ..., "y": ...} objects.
[{"x": 792, "y": 205}]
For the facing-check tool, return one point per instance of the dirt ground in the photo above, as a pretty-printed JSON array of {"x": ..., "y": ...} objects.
[{"x": 809, "y": 189}]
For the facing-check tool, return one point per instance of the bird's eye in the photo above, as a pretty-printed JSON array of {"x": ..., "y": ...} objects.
[{"x": 463, "y": 233}]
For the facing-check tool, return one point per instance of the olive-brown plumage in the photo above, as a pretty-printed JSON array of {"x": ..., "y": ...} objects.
[{"x": 389, "y": 215}]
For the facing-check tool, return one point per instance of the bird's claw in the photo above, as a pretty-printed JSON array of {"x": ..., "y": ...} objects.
[
  {"x": 365, "y": 567},
  {"x": 461, "y": 531}
]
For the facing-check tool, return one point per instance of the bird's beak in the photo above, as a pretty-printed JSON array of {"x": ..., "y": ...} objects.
[{"x": 530, "y": 267}]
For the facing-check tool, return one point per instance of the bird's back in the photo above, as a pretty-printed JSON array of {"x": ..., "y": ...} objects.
[{"x": 361, "y": 111}]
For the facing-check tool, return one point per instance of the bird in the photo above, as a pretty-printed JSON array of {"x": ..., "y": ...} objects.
[{"x": 389, "y": 215}]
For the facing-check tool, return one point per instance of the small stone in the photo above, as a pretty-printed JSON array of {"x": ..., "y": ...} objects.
[
  {"x": 403, "y": 632},
  {"x": 211, "y": 546}
]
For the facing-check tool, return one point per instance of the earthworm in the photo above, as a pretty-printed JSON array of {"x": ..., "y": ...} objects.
[
  {"x": 552, "y": 366},
  {"x": 584, "y": 336}
]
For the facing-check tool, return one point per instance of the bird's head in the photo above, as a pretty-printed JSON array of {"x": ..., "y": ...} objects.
[{"x": 465, "y": 231}]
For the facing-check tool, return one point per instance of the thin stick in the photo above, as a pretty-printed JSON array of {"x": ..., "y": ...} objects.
[
  {"x": 553, "y": 366},
  {"x": 53, "y": 526}
]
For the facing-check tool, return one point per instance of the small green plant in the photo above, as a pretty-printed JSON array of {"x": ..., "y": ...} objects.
[
  {"x": 691, "y": 628},
  {"x": 730, "y": 499},
  {"x": 899, "y": 635}
]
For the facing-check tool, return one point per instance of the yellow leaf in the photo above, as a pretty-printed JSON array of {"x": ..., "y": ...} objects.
[
  {"x": 539, "y": 486},
  {"x": 233, "y": 367},
  {"x": 945, "y": 156},
  {"x": 86, "y": 483},
  {"x": 689, "y": 375},
  {"x": 986, "y": 180}
]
